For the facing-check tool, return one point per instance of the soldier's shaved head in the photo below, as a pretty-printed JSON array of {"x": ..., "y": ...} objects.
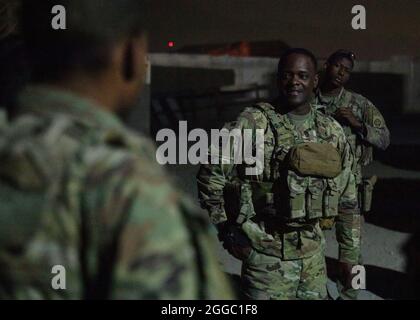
[
  {"x": 293, "y": 51},
  {"x": 8, "y": 19},
  {"x": 92, "y": 27}
]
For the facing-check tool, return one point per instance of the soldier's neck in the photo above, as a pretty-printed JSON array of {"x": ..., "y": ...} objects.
[
  {"x": 301, "y": 110},
  {"x": 329, "y": 90},
  {"x": 96, "y": 91}
]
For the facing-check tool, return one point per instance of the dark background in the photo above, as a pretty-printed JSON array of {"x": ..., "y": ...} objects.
[{"x": 393, "y": 27}]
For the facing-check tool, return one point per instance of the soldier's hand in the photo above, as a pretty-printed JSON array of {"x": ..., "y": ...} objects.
[
  {"x": 344, "y": 274},
  {"x": 235, "y": 241},
  {"x": 346, "y": 116},
  {"x": 222, "y": 230},
  {"x": 238, "y": 252}
]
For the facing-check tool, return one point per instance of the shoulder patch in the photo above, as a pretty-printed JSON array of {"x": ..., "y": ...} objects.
[{"x": 377, "y": 121}]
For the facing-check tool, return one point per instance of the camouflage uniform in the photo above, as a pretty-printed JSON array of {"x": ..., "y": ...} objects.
[
  {"x": 287, "y": 258},
  {"x": 80, "y": 190},
  {"x": 377, "y": 135},
  {"x": 377, "y": 132}
]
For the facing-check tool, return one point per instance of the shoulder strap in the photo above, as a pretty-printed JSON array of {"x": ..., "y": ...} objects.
[
  {"x": 282, "y": 131},
  {"x": 323, "y": 125},
  {"x": 274, "y": 119}
]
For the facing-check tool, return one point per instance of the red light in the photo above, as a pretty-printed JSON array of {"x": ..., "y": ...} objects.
[{"x": 171, "y": 44}]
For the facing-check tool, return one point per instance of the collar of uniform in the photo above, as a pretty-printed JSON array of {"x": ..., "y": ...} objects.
[
  {"x": 47, "y": 101},
  {"x": 288, "y": 123},
  {"x": 321, "y": 98}
]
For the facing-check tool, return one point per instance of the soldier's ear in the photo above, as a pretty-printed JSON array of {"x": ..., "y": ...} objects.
[{"x": 316, "y": 80}]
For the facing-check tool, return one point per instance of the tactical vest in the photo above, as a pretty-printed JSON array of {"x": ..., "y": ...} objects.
[{"x": 293, "y": 196}]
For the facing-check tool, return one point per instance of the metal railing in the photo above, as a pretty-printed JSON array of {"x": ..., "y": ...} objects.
[{"x": 203, "y": 109}]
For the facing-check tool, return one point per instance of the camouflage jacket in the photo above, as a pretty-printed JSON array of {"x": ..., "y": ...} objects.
[
  {"x": 377, "y": 133},
  {"x": 295, "y": 239},
  {"x": 81, "y": 191}
]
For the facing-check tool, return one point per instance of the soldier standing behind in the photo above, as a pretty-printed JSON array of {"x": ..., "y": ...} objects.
[
  {"x": 365, "y": 128},
  {"x": 81, "y": 192},
  {"x": 275, "y": 228}
]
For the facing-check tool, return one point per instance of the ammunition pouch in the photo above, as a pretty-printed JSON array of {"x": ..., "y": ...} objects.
[
  {"x": 309, "y": 198},
  {"x": 297, "y": 198},
  {"x": 366, "y": 193},
  {"x": 238, "y": 201},
  {"x": 315, "y": 159},
  {"x": 313, "y": 199},
  {"x": 262, "y": 196}
]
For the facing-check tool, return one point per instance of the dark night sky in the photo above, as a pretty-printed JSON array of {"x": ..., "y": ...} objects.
[{"x": 393, "y": 27}]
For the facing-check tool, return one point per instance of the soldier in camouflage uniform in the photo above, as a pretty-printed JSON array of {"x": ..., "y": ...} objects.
[
  {"x": 276, "y": 231},
  {"x": 365, "y": 128},
  {"x": 80, "y": 190}
]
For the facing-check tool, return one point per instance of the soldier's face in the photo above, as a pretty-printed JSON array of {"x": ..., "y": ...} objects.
[
  {"x": 338, "y": 72},
  {"x": 297, "y": 80}
]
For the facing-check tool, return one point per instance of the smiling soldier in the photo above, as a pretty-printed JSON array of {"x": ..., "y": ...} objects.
[{"x": 273, "y": 226}]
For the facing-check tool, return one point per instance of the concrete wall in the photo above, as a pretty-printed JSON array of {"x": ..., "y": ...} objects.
[
  {"x": 139, "y": 118},
  {"x": 251, "y": 71},
  {"x": 248, "y": 71}
]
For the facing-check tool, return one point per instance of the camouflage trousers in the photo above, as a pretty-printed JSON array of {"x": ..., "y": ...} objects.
[
  {"x": 270, "y": 278},
  {"x": 348, "y": 293},
  {"x": 345, "y": 293}
]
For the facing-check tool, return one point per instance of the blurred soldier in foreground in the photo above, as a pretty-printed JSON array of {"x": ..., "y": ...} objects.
[
  {"x": 271, "y": 221},
  {"x": 79, "y": 191},
  {"x": 365, "y": 128}
]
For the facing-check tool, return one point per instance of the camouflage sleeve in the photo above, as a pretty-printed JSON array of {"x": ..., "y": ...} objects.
[
  {"x": 212, "y": 178},
  {"x": 377, "y": 132},
  {"x": 143, "y": 243},
  {"x": 348, "y": 224},
  {"x": 348, "y": 220}
]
